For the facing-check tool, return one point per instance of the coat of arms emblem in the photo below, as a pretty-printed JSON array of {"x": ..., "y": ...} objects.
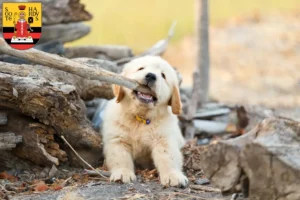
[{"x": 22, "y": 24}]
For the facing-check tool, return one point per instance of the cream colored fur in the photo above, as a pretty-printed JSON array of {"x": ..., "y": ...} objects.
[{"x": 128, "y": 141}]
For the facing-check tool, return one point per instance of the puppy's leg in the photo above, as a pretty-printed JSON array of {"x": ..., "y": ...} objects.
[
  {"x": 168, "y": 161},
  {"x": 119, "y": 162}
]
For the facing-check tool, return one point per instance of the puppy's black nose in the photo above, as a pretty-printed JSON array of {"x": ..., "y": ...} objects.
[{"x": 150, "y": 77}]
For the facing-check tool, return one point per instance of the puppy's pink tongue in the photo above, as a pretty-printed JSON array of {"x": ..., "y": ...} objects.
[{"x": 145, "y": 96}]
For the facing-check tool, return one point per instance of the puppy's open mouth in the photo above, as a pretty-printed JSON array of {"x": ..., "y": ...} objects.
[{"x": 145, "y": 98}]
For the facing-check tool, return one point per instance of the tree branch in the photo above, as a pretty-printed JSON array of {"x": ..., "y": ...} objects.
[{"x": 70, "y": 66}]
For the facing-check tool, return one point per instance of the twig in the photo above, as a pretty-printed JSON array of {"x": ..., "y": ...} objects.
[
  {"x": 70, "y": 66},
  {"x": 92, "y": 172},
  {"x": 157, "y": 49},
  {"x": 189, "y": 160},
  {"x": 184, "y": 194},
  {"x": 64, "y": 139},
  {"x": 204, "y": 188},
  {"x": 66, "y": 181}
]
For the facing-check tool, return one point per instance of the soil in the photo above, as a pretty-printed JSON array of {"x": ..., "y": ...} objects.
[{"x": 104, "y": 190}]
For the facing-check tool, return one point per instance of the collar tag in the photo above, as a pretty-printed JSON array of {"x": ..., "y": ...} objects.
[{"x": 144, "y": 121}]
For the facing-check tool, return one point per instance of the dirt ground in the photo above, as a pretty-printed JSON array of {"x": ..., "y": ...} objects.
[
  {"x": 255, "y": 60},
  {"x": 104, "y": 190}
]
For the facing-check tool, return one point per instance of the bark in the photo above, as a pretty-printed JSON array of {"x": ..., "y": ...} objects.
[
  {"x": 9, "y": 161},
  {"x": 3, "y": 118},
  {"x": 63, "y": 64},
  {"x": 105, "y": 52},
  {"x": 55, "y": 104},
  {"x": 87, "y": 89},
  {"x": 54, "y": 47},
  {"x": 38, "y": 144},
  {"x": 264, "y": 162},
  {"x": 9, "y": 140},
  {"x": 64, "y": 32},
  {"x": 62, "y": 11}
]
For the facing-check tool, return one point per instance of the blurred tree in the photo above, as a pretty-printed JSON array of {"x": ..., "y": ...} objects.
[
  {"x": 201, "y": 77},
  {"x": 201, "y": 74}
]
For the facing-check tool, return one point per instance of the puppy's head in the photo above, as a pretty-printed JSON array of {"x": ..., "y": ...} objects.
[{"x": 158, "y": 76}]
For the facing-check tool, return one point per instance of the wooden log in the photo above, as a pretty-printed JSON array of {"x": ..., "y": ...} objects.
[
  {"x": 87, "y": 89},
  {"x": 209, "y": 113},
  {"x": 64, "y": 32},
  {"x": 210, "y": 127},
  {"x": 264, "y": 162},
  {"x": 73, "y": 67},
  {"x": 62, "y": 11},
  {"x": 55, "y": 47},
  {"x": 37, "y": 140},
  {"x": 9, "y": 140},
  {"x": 3, "y": 118},
  {"x": 99, "y": 64},
  {"x": 55, "y": 104},
  {"x": 9, "y": 161},
  {"x": 104, "y": 52}
]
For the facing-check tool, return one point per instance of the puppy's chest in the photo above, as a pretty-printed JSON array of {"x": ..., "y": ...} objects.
[{"x": 140, "y": 136}]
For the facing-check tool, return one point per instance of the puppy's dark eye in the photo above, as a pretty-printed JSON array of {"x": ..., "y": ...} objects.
[
  {"x": 140, "y": 68},
  {"x": 163, "y": 75}
]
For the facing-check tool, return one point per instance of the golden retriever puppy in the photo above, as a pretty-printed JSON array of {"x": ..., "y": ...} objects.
[{"x": 143, "y": 129}]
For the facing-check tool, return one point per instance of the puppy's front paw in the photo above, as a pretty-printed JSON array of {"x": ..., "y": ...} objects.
[
  {"x": 174, "y": 178},
  {"x": 123, "y": 174}
]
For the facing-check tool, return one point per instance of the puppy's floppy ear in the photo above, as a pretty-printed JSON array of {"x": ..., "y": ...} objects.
[
  {"x": 118, "y": 92},
  {"x": 175, "y": 101}
]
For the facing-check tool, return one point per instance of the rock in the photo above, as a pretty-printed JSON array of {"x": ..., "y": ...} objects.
[{"x": 264, "y": 162}]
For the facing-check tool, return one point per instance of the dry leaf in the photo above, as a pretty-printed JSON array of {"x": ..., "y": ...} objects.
[
  {"x": 57, "y": 187},
  {"x": 41, "y": 186},
  {"x": 11, "y": 178}
]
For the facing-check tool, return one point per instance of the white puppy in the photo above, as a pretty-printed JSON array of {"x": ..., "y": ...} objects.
[{"x": 142, "y": 128}]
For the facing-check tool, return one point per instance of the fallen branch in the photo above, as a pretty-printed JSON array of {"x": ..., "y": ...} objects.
[
  {"x": 204, "y": 188},
  {"x": 70, "y": 66},
  {"x": 207, "y": 114},
  {"x": 90, "y": 166},
  {"x": 54, "y": 46},
  {"x": 210, "y": 127},
  {"x": 93, "y": 173},
  {"x": 157, "y": 49}
]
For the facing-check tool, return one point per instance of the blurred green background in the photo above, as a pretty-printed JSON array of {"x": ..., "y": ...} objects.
[{"x": 140, "y": 23}]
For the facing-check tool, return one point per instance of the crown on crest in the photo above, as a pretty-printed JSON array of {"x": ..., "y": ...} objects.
[{"x": 22, "y": 7}]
